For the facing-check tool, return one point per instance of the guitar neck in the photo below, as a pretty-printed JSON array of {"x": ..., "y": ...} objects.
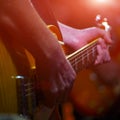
[{"x": 84, "y": 57}]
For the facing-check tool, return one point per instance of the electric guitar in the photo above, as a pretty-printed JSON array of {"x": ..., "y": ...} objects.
[
  {"x": 17, "y": 93},
  {"x": 18, "y": 80}
]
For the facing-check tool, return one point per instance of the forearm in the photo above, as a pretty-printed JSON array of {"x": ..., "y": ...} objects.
[
  {"x": 77, "y": 38},
  {"x": 44, "y": 9},
  {"x": 26, "y": 27}
]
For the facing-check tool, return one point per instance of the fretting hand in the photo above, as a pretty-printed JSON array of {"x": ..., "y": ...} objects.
[{"x": 76, "y": 38}]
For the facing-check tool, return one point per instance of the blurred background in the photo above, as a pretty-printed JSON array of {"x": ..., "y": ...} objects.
[{"x": 95, "y": 95}]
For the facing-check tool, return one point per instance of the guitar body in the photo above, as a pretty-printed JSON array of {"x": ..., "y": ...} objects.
[
  {"x": 17, "y": 93},
  {"x": 8, "y": 92},
  {"x": 90, "y": 96},
  {"x": 18, "y": 83}
]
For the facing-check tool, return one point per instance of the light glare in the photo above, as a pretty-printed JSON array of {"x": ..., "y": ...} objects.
[{"x": 100, "y": 3}]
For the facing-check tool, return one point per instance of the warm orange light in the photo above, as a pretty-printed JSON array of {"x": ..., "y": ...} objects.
[{"x": 101, "y": 2}]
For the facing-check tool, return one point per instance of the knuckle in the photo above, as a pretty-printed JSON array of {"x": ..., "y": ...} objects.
[{"x": 54, "y": 90}]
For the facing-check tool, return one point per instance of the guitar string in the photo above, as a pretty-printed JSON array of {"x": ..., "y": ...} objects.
[
  {"x": 82, "y": 52},
  {"x": 77, "y": 61},
  {"x": 81, "y": 57},
  {"x": 85, "y": 55}
]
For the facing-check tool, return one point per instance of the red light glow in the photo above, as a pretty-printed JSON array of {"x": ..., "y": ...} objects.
[{"x": 100, "y": 3}]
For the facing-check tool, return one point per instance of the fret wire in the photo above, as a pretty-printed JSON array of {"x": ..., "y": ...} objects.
[
  {"x": 79, "y": 60},
  {"x": 82, "y": 65},
  {"x": 84, "y": 52},
  {"x": 85, "y": 55},
  {"x": 92, "y": 44},
  {"x": 73, "y": 58},
  {"x": 76, "y": 66},
  {"x": 81, "y": 52},
  {"x": 77, "y": 63},
  {"x": 88, "y": 51}
]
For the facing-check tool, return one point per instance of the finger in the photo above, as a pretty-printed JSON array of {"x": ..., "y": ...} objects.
[
  {"x": 107, "y": 38},
  {"x": 50, "y": 91},
  {"x": 102, "y": 43},
  {"x": 99, "y": 56},
  {"x": 63, "y": 91},
  {"x": 107, "y": 57},
  {"x": 66, "y": 79},
  {"x": 105, "y": 51},
  {"x": 62, "y": 86},
  {"x": 68, "y": 74}
]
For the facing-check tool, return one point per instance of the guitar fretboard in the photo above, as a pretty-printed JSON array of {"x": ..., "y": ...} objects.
[{"x": 83, "y": 57}]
